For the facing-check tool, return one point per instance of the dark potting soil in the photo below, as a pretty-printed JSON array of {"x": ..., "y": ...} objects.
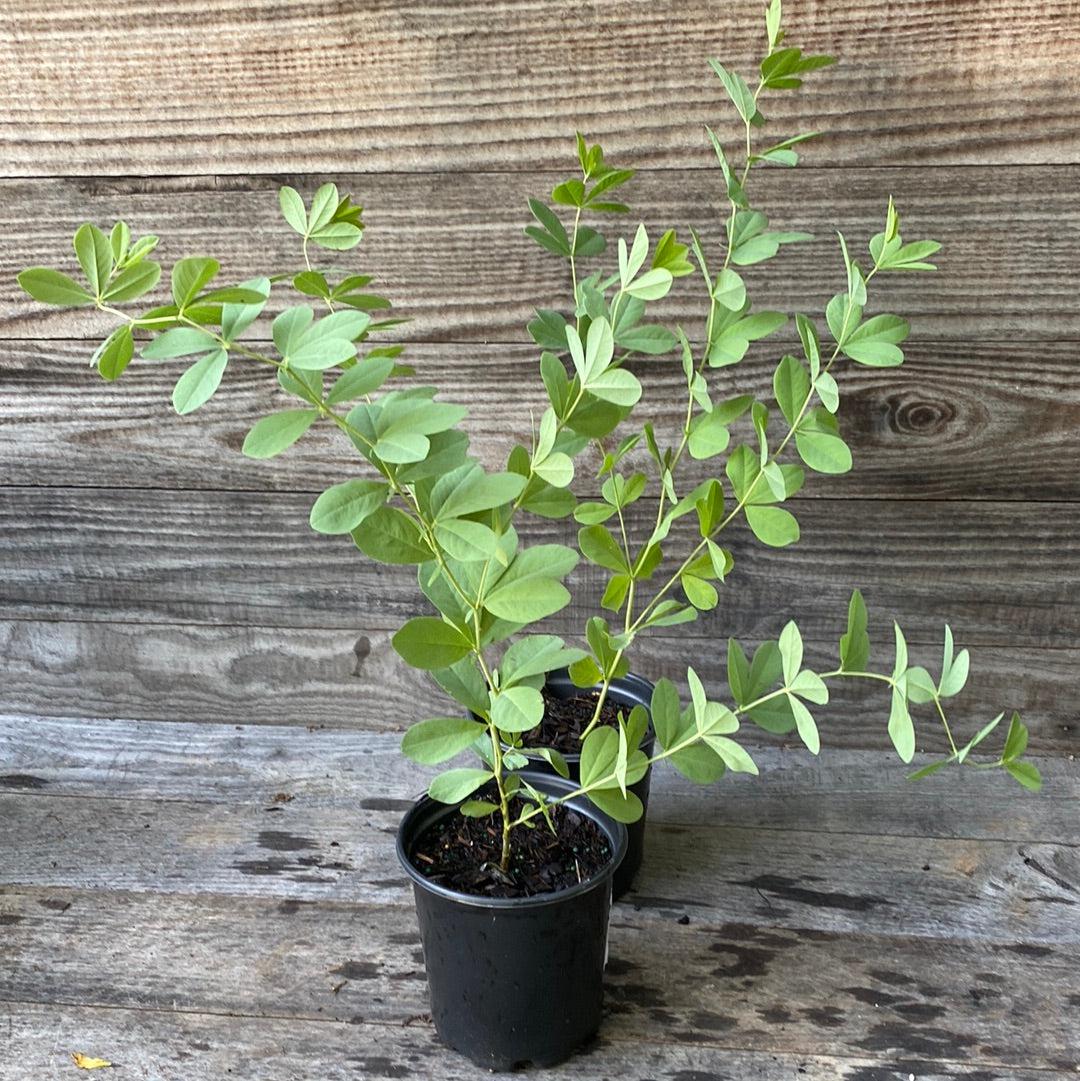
[
  {"x": 566, "y": 718},
  {"x": 463, "y": 854}
]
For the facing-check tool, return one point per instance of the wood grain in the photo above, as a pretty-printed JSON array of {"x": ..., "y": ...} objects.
[
  {"x": 1001, "y": 576},
  {"x": 451, "y": 253},
  {"x": 954, "y": 889},
  {"x": 142, "y": 89},
  {"x": 844, "y": 791},
  {"x": 956, "y": 421},
  {"x": 210, "y": 1047},
  {"x": 338, "y": 679},
  {"x": 727, "y": 986}
]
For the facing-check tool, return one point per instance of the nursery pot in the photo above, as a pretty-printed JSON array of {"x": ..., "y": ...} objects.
[
  {"x": 518, "y": 980},
  {"x": 627, "y": 692}
]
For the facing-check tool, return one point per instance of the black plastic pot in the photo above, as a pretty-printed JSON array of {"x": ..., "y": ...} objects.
[
  {"x": 514, "y": 981},
  {"x": 629, "y": 691}
]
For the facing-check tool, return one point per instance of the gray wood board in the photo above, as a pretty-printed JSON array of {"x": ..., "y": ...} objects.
[
  {"x": 843, "y": 791},
  {"x": 339, "y": 679},
  {"x": 451, "y": 253},
  {"x": 727, "y": 986},
  {"x": 1000, "y": 577},
  {"x": 942, "y": 888},
  {"x": 207, "y": 1047},
  {"x": 403, "y": 85},
  {"x": 975, "y": 421}
]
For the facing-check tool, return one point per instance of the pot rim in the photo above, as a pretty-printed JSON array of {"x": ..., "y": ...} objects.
[{"x": 427, "y": 810}]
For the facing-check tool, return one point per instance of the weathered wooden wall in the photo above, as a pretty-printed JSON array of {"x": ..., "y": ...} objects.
[{"x": 148, "y": 571}]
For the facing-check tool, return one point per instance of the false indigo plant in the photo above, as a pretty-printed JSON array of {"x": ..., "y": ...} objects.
[{"x": 420, "y": 499}]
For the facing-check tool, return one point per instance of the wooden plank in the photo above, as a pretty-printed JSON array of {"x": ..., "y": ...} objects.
[
  {"x": 1002, "y": 578},
  {"x": 341, "y": 680},
  {"x": 957, "y": 421},
  {"x": 842, "y": 792},
  {"x": 402, "y": 85},
  {"x": 452, "y": 255},
  {"x": 728, "y": 986},
  {"x": 208, "y": 1047},
  {"x": 938, "y": 888}
]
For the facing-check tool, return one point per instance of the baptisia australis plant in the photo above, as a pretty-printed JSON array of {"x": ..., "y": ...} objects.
[{"x": 422, "y": 500}]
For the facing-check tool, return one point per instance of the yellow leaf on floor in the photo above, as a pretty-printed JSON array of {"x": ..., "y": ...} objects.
[{"x": 84, "y": 1062}]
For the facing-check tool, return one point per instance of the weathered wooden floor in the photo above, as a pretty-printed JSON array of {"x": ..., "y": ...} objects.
[{"x": 214, "y": 901}]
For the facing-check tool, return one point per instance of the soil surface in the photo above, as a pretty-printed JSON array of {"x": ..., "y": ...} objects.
[
  {"x": 463, "y": 854},
  {"x": 566, "y": 718}
]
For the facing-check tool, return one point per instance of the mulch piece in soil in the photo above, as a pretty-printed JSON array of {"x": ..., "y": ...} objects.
[
  {"x": 566, "y": 718},
  {"x": 463, "y": 853}
]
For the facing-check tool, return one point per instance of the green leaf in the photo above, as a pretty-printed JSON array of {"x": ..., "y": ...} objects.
[
  {"x": 709, "y": 436},
  {"x": 427, "y": 642},
  {"x": 927, "y": 771},
  {"x": 811, "y": 686},
  {"x": 115, "y": 353},
  {"x": 198, "y": 384},
  {"x": 773, "y": 526},
  {"x": 700, "y": 593},
  {"x": 482, "y": 491},
  {"x": 1016, "y": 741},
  {"x": 901, "y": 730},
  {"x": 467, "y": 541},
  {"x": 820, "y": 447},
  {"x": 598, "y": 757},
  {"x": 954, "y": 670},
  {"x": 804, "y": 722},
  {"x": 729, "y": 290},
  {"x": 457, "y": 784},
  {"x": 535, "y": 655},
  {"x": 664, "y": 709},
  {"x": 367, "y": 376},
  {"x": 530, "y": 589},
  {"x": 391, "y": 536},
  {"x": 275, "y": 433},
  {"x": 811, "y": 344},
  {"x": 94, "y": 252},
  {"x": 323, "y": 204},
  {"x": 874, "y": 342},
  {"x": 918, "y": 686},
  {"x": 343, "y": 507},
  {"x": 791, "y": 652},
  {"x": 557, "y": 469},
  {"x": 133, "y": 282},
  {"x": 623, "y": 808},
  {"x": 478, "y": 808},
  {"x": 179, "y": 342},
  {"x": 855, "y": 644},
  {"x": 440, "y": 739},
  {"x": 616, "y": 385},
  {"x": 652, "y": 285},
  {"x": 236, "y": 318},
  {"x": 464, "y": 683},
  {"x": 292, "y": 209},
  {"x": 599, "y": 546},
  {"x": 1026, "y": 774},
  {"x": 551, "y": 234},
  {"x": 791, "y": 385},
  {"x": 338, "y": 236},
  {"x": 52, "y": 287},
  {"x": 735, "y": 85},
  {"x": 979, "y": 737},
  {"x": 517, "y": 709},
  {"x": 842, "y": 317},
  {"x": 189, "y": 276},
  {"x": 735, "y": 757},
  {"x": 699, "y": 764}
]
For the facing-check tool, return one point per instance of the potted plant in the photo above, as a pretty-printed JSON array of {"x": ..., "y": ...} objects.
[{"x": 513, "y": 864}]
